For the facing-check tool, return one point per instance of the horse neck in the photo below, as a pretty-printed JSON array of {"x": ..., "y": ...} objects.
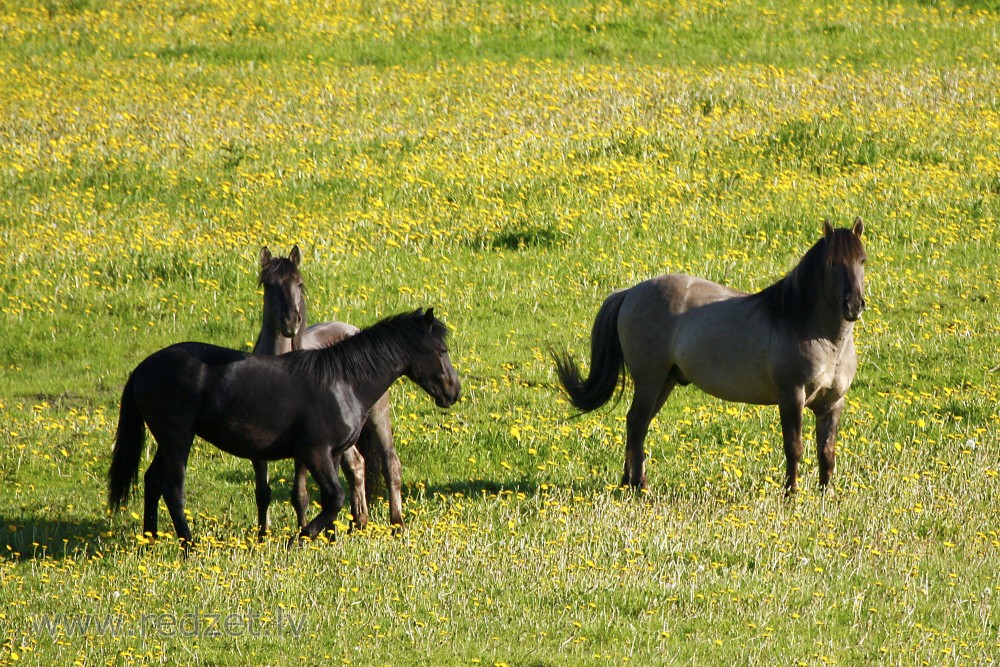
[
  {"x": 270, "y": 342},
  {"x": 825, "y": 318},
  {"x": 370, "y": 391},
  {"x": 367, "y": 375},
  {"x": 829, "y": 323}
]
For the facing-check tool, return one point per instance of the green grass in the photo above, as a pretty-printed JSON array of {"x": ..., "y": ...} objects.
[{"x": 509, "y": 165}]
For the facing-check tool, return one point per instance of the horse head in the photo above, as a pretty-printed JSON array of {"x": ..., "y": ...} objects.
[
  {"x": 284, "y": 292},
  {"x": 844, "y": 277},
  {"x": 432, "y": 368}
]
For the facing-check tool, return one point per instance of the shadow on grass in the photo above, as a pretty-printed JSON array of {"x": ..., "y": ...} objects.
[
  {"x": 471, "y": 488},
  {"x": 23, "y": 538}
]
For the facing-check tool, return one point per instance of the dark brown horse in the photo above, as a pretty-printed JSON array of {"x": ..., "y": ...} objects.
[
  {"x": 791, "y": 344},
  {"x": 308, "y": 405},
  {"x": 283, "y": 329}
]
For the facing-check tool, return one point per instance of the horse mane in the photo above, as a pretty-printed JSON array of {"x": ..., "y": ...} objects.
[
  {"x": 792, "y": 299},
  {"x": 373, "y": 351}
]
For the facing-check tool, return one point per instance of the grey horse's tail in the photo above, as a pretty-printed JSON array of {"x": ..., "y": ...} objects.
[
  {"x": 129, "y": 440},
  {"x": 607, "y": 363}
]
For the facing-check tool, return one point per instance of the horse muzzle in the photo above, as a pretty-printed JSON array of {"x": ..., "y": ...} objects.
[
  {"x": 290, "y": 327},
  {"x": 449, "y": 397},
  {"x": 852, "y": 308}
]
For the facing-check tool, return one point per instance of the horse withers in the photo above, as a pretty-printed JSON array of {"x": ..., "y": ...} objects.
[
  {"x": 283, "y": 329},
  {"x": 791, "y": 344},
  {"x": 307, "y": 405}
]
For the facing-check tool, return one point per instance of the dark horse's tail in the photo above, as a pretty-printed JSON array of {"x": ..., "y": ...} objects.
[
  {"x": 607, "y": 363},
  {"x": 129, "y": 440}
]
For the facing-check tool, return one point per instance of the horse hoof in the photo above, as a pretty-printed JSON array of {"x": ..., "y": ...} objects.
[{"x": 186, "y": 546}]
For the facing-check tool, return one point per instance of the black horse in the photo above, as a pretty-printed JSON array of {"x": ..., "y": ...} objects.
[{"x": 306, "y": 405}]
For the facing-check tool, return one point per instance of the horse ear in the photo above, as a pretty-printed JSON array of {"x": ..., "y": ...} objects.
[
  {"x": 859, "y": 227},
  {"x": 295, "y": 256},
  {"x": 827, "y": 229},
  {"x": 265, "y": 257}
]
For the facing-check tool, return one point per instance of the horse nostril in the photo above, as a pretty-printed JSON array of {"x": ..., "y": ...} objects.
[{"x": 292, "y": 324}]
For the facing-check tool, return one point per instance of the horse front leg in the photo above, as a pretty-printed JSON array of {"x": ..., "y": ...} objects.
[
  {"x": 262, "y": 492},
  {"x": 331, "y": 496},
  {"x": 827, "y": 423},
  {"x": 152, "y": 490},
  {"x": 790, "y": 411}
]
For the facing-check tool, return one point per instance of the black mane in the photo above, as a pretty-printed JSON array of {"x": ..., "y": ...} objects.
[
  {"x": 374, "y": 350},
  {"x": 792, "y": 299}
]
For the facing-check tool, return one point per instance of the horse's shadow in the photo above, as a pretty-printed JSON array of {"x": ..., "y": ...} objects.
[
  {"x": 470, "y": 488},
  {"x": 23, "y": 538},
  {"x": 415, "y": 490}
]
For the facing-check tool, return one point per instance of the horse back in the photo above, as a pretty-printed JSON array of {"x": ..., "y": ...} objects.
[
  {"x": 698, "y": 332},
  {"x": 325, "y": 334},
  {"x": 723, "y": 341},
  {"x": 250, "y": 406},
  {"x": 177, "y": 376}
]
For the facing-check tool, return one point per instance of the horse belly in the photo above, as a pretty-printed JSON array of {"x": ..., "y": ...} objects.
[
  {"x": 261, "y": 435},
  {"x": 255, "y": 414},
  {"x": 722, "y": 365}
]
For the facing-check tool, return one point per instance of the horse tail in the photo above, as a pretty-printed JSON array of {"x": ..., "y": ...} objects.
[
  {"x": 129, "y": 440},
  {"x": 607, "y": 362}
]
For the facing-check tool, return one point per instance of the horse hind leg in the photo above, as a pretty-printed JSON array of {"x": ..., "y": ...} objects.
[
  {"x": 648, "y": 398},
  {"x": 300, "y": 494},
  {"x": 165, "y": 478},
  {"x": 173, "y": 469},
  {"x": 378, "y": 430},
  {"x": 262, "y": 492},
  {"x": 353, "y": 465},
  {"x": 393, "y": 471},
  {"x": 173, "y": 444}
]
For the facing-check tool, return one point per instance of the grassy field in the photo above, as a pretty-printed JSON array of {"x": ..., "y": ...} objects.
[{"x": 508, "y": 164}]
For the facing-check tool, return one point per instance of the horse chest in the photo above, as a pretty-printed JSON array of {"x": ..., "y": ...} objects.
[{"x": 831, "y": 370}]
